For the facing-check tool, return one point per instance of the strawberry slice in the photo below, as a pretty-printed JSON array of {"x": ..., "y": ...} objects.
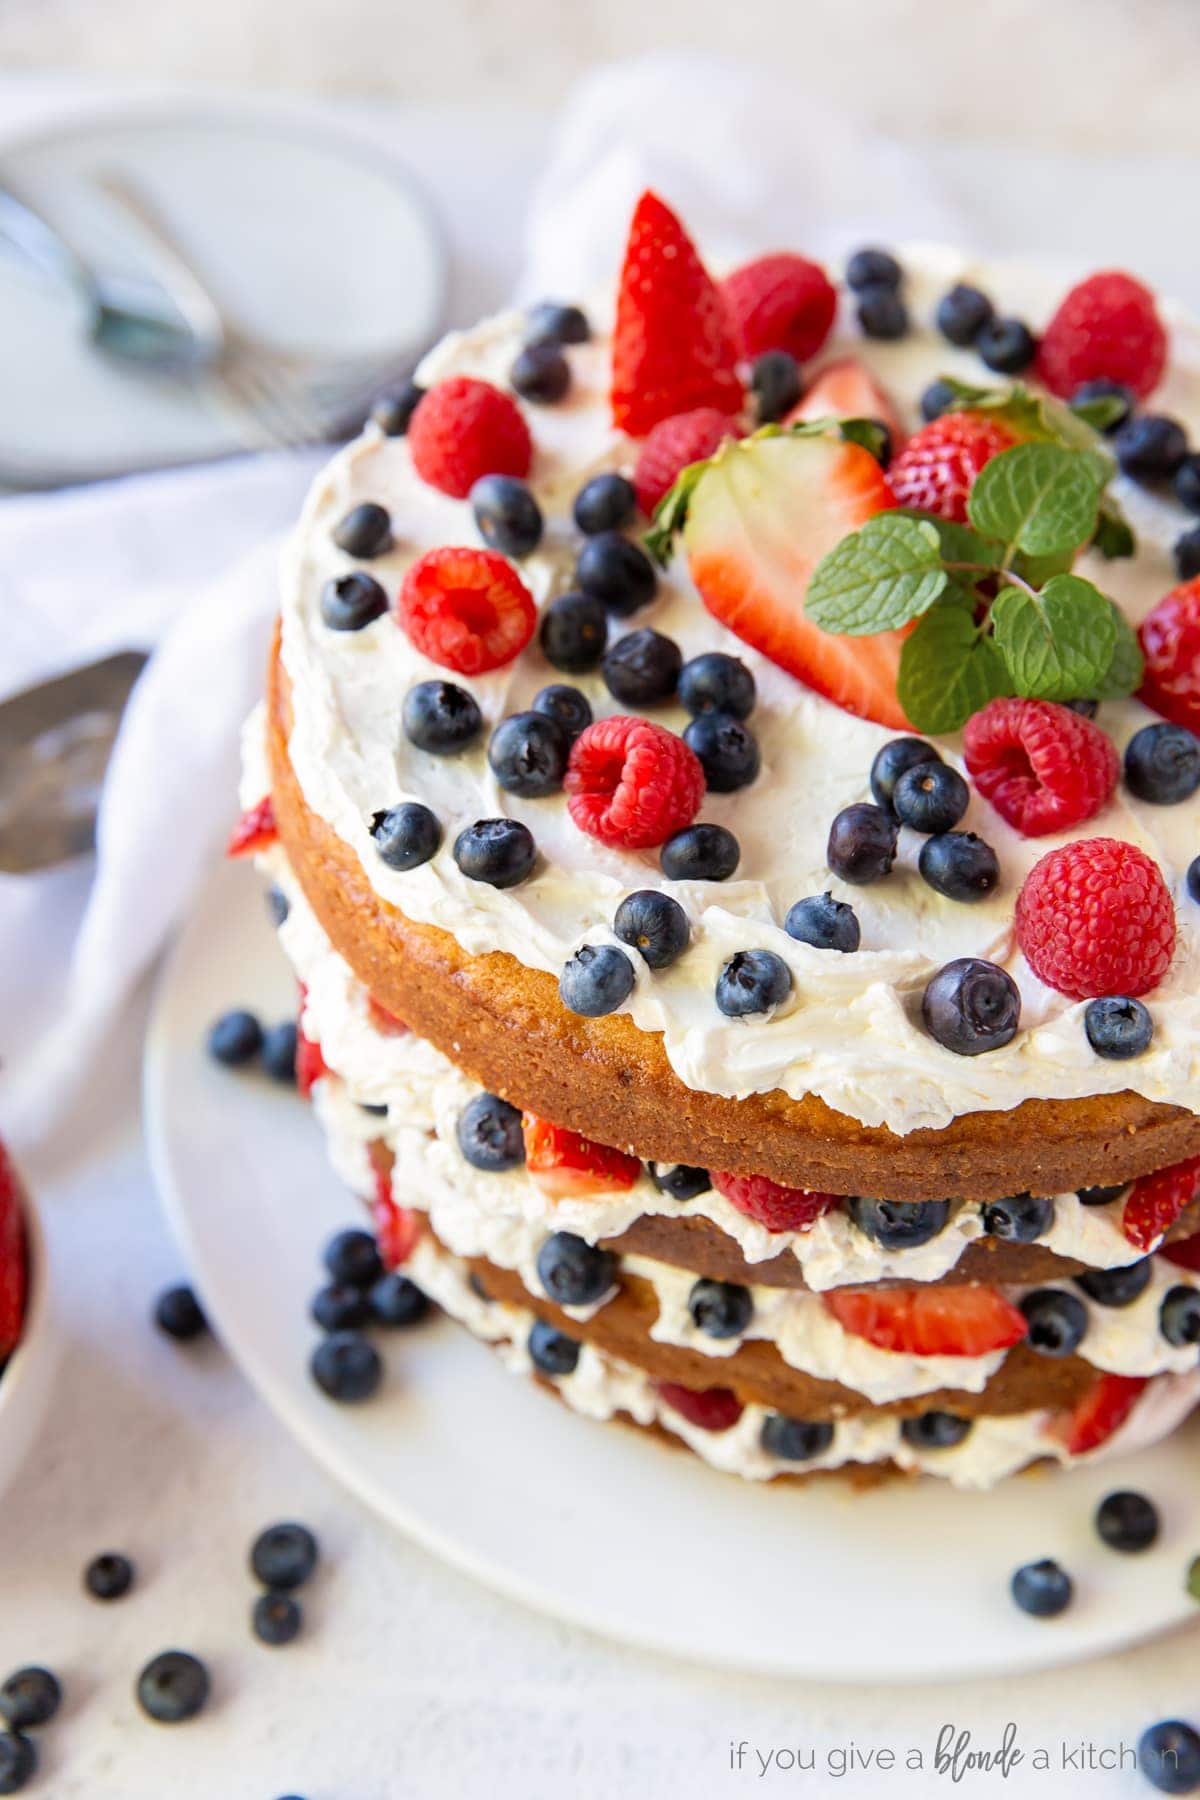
[
  {"x": 1156, "y": 1201},
  {"x": 311, "y": 1066},
  {"x": 712, "y": 1409},
  {"x": 13, "y": 1273},
  {"x": 567, "y": 1166},
  {"x": 846, "y": 389},
  {"x": 930, "y": 1321},
  {"x": 254, "y": 830},
  {"x": 673, "y": 348},
  {"x": 397, "y": 1228},
  {"x": 1106, "y": 1405},
  {"x": 1185, "y": 1254},
  {"x": 777, "y": 1207},
  {"x": 760, "y": 517},
  {"x": 386, "y": 1023}
]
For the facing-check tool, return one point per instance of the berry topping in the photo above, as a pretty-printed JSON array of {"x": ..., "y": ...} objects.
[
  {"x": 528, "y": 754},
  {"x": 1101, "y": 1412},
  {"x": 397, "y": 1228},
  {"x": 1020, "y": 1219},
  {"x": 1187, "y": 483},
  {"x": 935, "y": 1430},
  {"x": 936, "y": 469},
  {"x": 930, "y": 797},
  {"x": 711, "y": 1409},
  {"x": 959, "y": 865},
  {"x": 673, "y": 348},
  {"x": 938, "y": 398},
  {"x": 1057, "y": 1321},
  {"x": 500, "y": 852},
  {"x": 772, "y": 1205},
  {"x": 1127, "y": 1521},
  {"x": 596, "y": 980},
  {"x": 346, "y": 1367},
  {"x": 550, "y": 322},
  {"x": 823, "y": 922},
  {"x": 862, "y": 844},
  {"x": 567, "y": 1166},
  {"x": 507, "y": 515},
  {"x": 971, "y": 1006},
  {"x": 752, "y": 982},
  {"x": 350, "y": 602},
  {"x": 394, "y": 408},
  {"x": 714, "y": 682},
  {"x": 465, "y": 428},
  {"x": 642, "y": 668},
  {"x": 365, "y": 531},
  {"x": 1006, "y": 345},
  {"x": 1186, "y": 554},
  {"x": 605, "y": 503},
  {"x": 728, "y": 751},
  {"x": 541, "y": 373},
  {"x": 1102, "y": 389},
  {"x": 233, "y": 1039},
  {"x": 1096, "y": 917},
  {"x": 1116, "y": 1287},
  {"x": 1107, "y": 327},
  {"x": 1185, "y": 1254},
  {"x": 679, "y": 1180},
  {"x": 962, "y": 313},
  {"x": 775, "y": 384},
  {"x": 720, "y": 1309},
  {"x": 847, "y": 389},
  {"x": 1156, "y": 1201},
  {"x": 1179, "y": 1317},
  {"x": 551, "y": 1351},
  {"x": 1043, "y": 767},
  {"x": 572, "y": 1272},
  {"x": 674, "y": 443},
  {"x": 892, "y": 761},
  {"x": 616, "y": 572},
  {"x": 700, "y": 853},
  {"x": 795, "y": 1440},
  {"x": 440, "y": 717},
  {"x": 959, "y": 1319},
  {"x": 881, "y": 313},
  {"x": 872, "y": 268},
  {"x": 899, "y": 1224},
  {"x": 1117, "y": 1027},
  {"x": 1150, "y": 447},
  {"x": 654, "y": 925},
  {"x": 407, "y": 836},
  {"x": 566, "y": 706},
  {"x": 1162, "y": 764},
  {"x": 631, "y": 783},
  {"x": 1042, "y": 1589},
  {"x": 467, "y": 610},
  {"x": 254, "y": 831},
  {"x": 573, "y": 633},
  {"x": 310, "y": 1064},
  {"x": 780, "y": 302}
]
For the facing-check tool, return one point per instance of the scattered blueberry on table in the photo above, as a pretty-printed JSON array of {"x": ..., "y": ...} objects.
[
  {"x": 109, "y": 1576},
  {"x": 173, "y": 1687},
  {"x": 1169, "y": 1757},
  {"x": 179, "y": 1315},
  {"x": 276, "y": 1619},
  {"x": 1127, "y": 1521},
  {"x": 1042, "y": 1589}
]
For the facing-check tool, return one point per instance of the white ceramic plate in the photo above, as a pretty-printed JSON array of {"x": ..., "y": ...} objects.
[
  {"x": 597, "y": 1524},
  {"x": 28, "y": 1378}
]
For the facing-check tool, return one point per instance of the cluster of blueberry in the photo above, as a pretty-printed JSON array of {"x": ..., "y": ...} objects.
[
  {"x": 238, "y": 1037},
  {"x": 360, "y": 1292},
  {"x": 1058, "y": 1320},
  {"x": 1153, "y": 449},
  {"x": 965, "y": 315},
  {"x": 282, "y": 1558},
  {"x": 30, "y": 1697}
]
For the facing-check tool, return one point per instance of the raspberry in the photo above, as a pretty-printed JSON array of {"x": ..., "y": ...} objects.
[
  {"x": 673, "y": 444},
  {"x": 1103, "y": 1409},
  {"x": 466, "y": 610},
  {"x": 780, "y": 302},
  {"x": 1106, "y": 329},
  {"x": 254, "y": 830},
  {"x": 712, "y": 1409},
  {"x": 1156, "y": 1201},
  {"x": 1170, "y": 640},
  {"x": 936, "y": 469},
  {"x": 464, "y": 428},
  {"x": 1042, "y": 766},
  {"x": 778, "y": 1208},
  {"x": 1096, "y": 918},
  {"x": 631, "y": 783}
]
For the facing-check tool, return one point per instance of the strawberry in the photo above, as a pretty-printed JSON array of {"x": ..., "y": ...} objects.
[
  {"x": 254, "y": 831},
  {"x": 760, "y": 518},
  {"x": 846, "y": 389},
  {"x": 397, "y": 1228},
  {"x": 567, "y": 1166},
  {"x": 1185, "y": 1254},
  {"x": 777, "y": 1207},
  {"x": 930, "y": 1321},
  {"x": 712, "y": 1409},
  {"x": 310, "y": 1065},
  {"x": 936, "y": 469},
  {"x": 1105, "y": 1406},
  {"x": 674, "y": 443},
  {"x": 673, "y": 349},
  {"x": 1170, "y": 640},
  {"x": 1156, "y": 1201},
  {"x": 780, "y": 302},
  {"x": 13, "y": 1274}
]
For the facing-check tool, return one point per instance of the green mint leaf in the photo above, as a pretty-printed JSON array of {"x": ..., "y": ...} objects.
[
  {"x": 948, "y": 670},
  {"x": 881, "y": 576},
  {"x": 1127, "y": 665},
  {"x": 1114, "y": 534},
  {"x": 1192, "y": 1583},
  {"x": 1036, "y": 417},
  {"x": 1100, "y": 413},
  {"x": 959, "y": 544},
  {"x": 1058, "y": 644},
  {"x": 1038, "y": 570},
  {"x": 1041, "y": 498},
  {"x": 868, "y": 433}
]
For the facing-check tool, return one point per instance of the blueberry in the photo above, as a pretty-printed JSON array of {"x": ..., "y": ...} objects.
[
  {"x": 720, "y": 1309},
  {"x": 897, "y": 755},
  {"x": 528, "y": 754},
  {"x": 795, "y": 1440},
  {"x": 728, "y": 751},
  {"x": 506, "y": 514},
  {"x": 930, "y": 797},
  {"x": 1057, "y": 1321},
  {"x": 348, "y": 602},
  {"x": 500, "y": 852},
  {"x": 752, "y": 982},
  {"x": 654, "y": 925},
  {"x": 1169, "y": 1757},
  {"x": 1186, "y": 553},
  {"x": 346, "y": 1367},
  {"x": 938, "y": 398},
  {"x": 596, "y": 980},
  {"x": 18, "y": 1761},
  {"x": 1087, "y": 709},
  {"x": 616, "y": 572},
  {"x": 1193, "y": 879},
  {"x": 573, "y": 633},
  {"x": 406, "y": 836},
  {"x": 279, "y": 1051},
  {"x": 1100, "y": 1196},
  {"x": 1162, "y": 763},
  {"x": 108, "y": 1576},
  {"x": 959, "y": 865},
  {"x": 862, "y": 844},
  {"x": 1118, "y": 1028},
  {"x": 1127, "y": 1521},
  {"x": 1116, "y": 1287},
  {"x": 872, "y": 268},
  {"x": 441, "y": 717},
  {"x": 642, "y": 668},
  {"x": 1042, "y": 1588},
  {"x": 540, "y": 373},
  {"x": 375, "y": 1109},
  {"x": 489, "y": 1133},
  {"x": 31, "y": 1696},
  {"x": 1179, "y": 1316},
  {"x": 276, "y": 1619},
  {"x": 1150, "y": 447},
  {"x": 394, "y": 408},
  {"x": 934, "y": 1430},
  {"x": 339, "y": 1307},
  {"x": 605, "y": 503},
  {"x": 1006, "y": 345},
  {"x": 700, "y": 853},
  {"x": 1104, "y": 389},
  {"x": 1021, "y": 1219},
  {"x": 971, "y": 1006},
  {"x": 572, "y": 1272},
  {"x": 278, "y": 905},
  {"x": 351, "y": 1258},
  {"x": 775, "y": 384},
  {"x": 551, "y": 323},
  {"x": 1187, "y": 483},
  {"x": 680, "y": 1180},
  {"x": 552, "y": 1351},
  {"x": 715, "y": 682},
  {"x": 899, "y": 1224},
  {"x": 962, "y": 313},
  {"x": 881, "y": 313},
  {"x": 566, "y": 705},
  {"x": 172, "y": 1687},
  {"x": 235, "y": 1038},
  {"x": 178, "y": 1314},
  {"x": 365, "y": 531},
  {"x": 823, "y": 922},
  {"x": 397, "y": 1301}
]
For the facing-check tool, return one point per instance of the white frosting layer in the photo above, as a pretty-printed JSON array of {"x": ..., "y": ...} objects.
[{"x": 851, "y": 1031}]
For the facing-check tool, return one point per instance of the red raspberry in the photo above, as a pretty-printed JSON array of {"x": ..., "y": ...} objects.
[
  {"x": 778, "y": 1208},
  {"x": 1107, "y": 328},
  {"x": 780, "y": 302},
  {"x": 1096, "y": 918},
  {"x": 1156, "y": 1201},
  {"x": 673, "y": 444},
  {"x": 712, "y": 1409},
  {"x": 1170, "y": 640},
  {"x": 1043, "y": 767},
  {"x": 254, "y": 830},
  {"x": 1103, "y": 1409},
  {"x": 631, "y": 783},
  {"x": 466, "y": 610},
  {"x": 936, "y": 469},
  {"x": 464, "y": 428}
]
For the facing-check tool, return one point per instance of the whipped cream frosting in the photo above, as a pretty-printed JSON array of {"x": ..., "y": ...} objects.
[{"x": 851, "y": 1031}]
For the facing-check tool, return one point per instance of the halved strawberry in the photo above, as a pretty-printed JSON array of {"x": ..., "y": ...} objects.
[
  {"x": 760, "y": 518},
  {"x": 567, "y": 1166},
  {"x": 673, "y": 348},
  {"x": 397, "y": 1228},
  {"x": 956, "y": 1320},
  {"x": 310, "y": 1064},
  {"x": 386, "y": 1023},
  {"x": 846, "y": 389},
  {"x": 712, "y": 1409},
  {"x": 254, "y": 830},
  {"x": 1106, "y": 1406},
  {"x": 777, "y": 1207},
  {"x": 1185, "y": 1254},
  {"x": 1156, "y": 1201},
  {"x": 13, "y": 1274}
]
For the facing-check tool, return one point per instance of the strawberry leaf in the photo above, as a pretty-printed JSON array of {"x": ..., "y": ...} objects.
[
  {"x": 879, "y": 577},
  {"x": 949, "y": 669},
  {"x": 1040, "y": 498},
  {"x": 1058, "y": 644}
]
